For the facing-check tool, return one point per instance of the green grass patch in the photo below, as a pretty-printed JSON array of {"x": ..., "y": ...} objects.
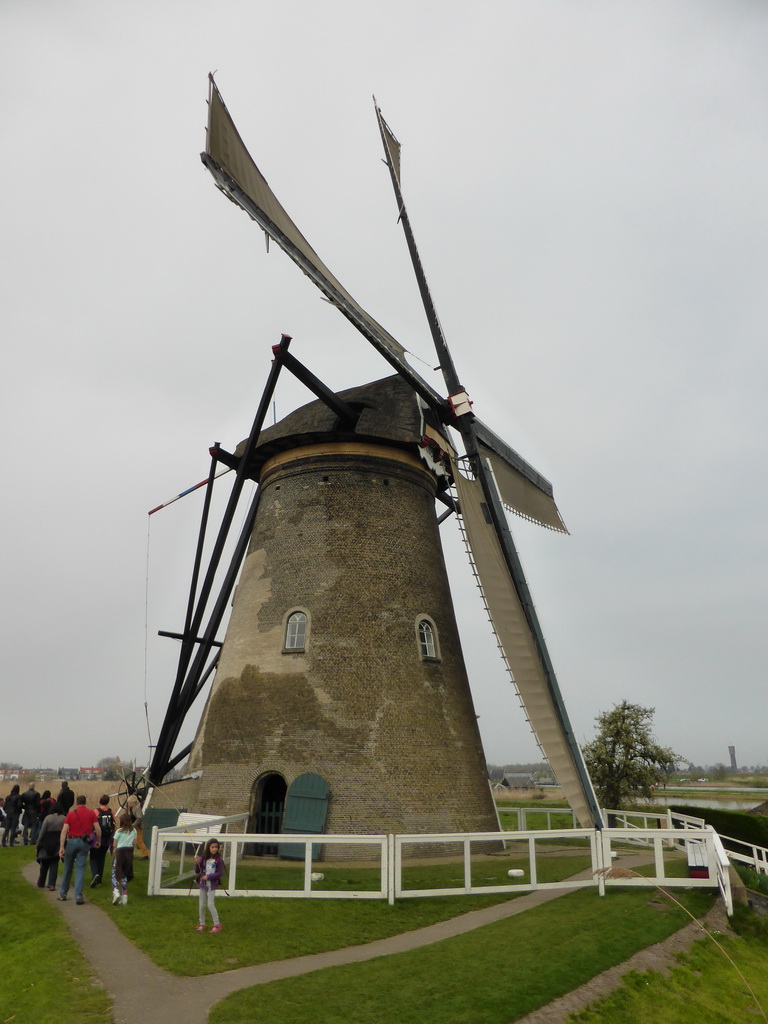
[
  {"x": 489, "y": 976},
  {"x": 257, "y": 930},
  {"x": 755, "y": 880},
  {"x": 749, "y": 828},
  {"x": 536, "y": 819},
  {"x": 705, "y": 988},
  {"x": 43, "y": 969},
  {"x": 531, "y": 803},
  {"x": 552, "y": 861}
]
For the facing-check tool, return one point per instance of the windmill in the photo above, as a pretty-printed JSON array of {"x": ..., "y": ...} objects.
[{"x": 396, "y": 431}]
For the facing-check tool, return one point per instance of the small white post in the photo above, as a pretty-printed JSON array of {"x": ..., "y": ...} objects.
[
  {"x": 601, "y": 856},
  {"x": 155, "y": 860},
  {"x": 658, "y": 857},
  {"x": 232, "y": 866},
  {"x": 307, "y": 866},
  {"x": 532, "y": 861},
  {"x": 467, "y": 864}
]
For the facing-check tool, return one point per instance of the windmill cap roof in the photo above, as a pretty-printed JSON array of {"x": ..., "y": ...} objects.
[{"x": 389, "y": 414}]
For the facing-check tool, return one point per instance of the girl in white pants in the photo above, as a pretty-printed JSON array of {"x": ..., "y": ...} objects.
[{"x": 209, "y": 867}]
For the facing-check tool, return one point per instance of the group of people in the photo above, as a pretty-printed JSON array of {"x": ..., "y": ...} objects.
[
  {"x": 22, "y": 813},
  {"x": 65, "y": 830}
]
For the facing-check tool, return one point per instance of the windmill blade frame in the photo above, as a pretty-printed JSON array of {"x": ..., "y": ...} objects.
[
  {"x": 497, "y": 563},
  {"x": 194, "y": 667}
]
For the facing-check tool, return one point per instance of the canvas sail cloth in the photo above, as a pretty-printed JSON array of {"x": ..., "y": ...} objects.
[
  {"x": 227, "y": 158},
  {"x": 523, "y": 490},
  {"x": 546, "y": 717},
  {"x": 530, "y": 498}
]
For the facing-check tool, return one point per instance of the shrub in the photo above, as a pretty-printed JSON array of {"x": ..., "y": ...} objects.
[{"x": 749, "y": 828}]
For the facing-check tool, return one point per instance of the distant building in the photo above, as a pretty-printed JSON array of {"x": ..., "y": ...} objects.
[{"x": 513, "y": 780}]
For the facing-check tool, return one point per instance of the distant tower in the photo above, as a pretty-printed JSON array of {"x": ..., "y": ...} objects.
[
  {"x": 732, "y": 752},
  {"x": 342, "y": 658}
]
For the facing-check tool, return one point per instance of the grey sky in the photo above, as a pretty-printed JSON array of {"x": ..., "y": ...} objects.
[{"x": 587, "y": 185}]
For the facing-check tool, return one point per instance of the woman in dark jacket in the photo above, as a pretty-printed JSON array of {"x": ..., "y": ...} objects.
[
  {"x": 48, "y": 840},
  {"x": 12, "y": 812},
  {"x": 46, "y": 803}
]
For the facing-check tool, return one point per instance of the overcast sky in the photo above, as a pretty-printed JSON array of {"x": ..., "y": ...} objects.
[{"x": 587, "y": 184}]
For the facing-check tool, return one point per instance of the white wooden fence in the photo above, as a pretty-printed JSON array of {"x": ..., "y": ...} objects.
[{"x": 393, "y": 852}]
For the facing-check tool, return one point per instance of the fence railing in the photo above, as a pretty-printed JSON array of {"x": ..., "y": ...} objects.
[
  {"x": 469, "y": 839},
  {"x": 704, "y": 842},
  {"x": 526, "y": 814},
  {"x": 722, "y": 871},
  {"x": 170, "y": 850},
  {"x": 233, "y": 844}
]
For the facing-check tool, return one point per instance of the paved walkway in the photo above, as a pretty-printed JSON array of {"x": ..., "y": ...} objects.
[{"x": 117, "y": 963}]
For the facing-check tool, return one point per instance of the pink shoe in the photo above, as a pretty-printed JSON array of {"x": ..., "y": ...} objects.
[
  {"x": 216, "y": 928},
  {"x": 199, "y": 927}
]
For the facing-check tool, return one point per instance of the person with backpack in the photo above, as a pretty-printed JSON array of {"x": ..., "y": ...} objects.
[{"x": 98, "y": 853}]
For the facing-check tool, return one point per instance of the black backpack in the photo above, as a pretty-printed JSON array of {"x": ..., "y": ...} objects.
[{"x": 107, "y": 825}]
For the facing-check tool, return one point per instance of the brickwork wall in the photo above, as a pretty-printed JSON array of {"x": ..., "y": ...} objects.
[{"x": 353, "y": 541}]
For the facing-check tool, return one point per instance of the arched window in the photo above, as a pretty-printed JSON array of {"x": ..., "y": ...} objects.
[
  {"x": 427, "y": 645},
  {"x": 295, "y": 632}
]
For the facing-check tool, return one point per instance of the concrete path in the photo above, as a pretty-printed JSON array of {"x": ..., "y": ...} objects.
[{"x": 119, "y": 965}]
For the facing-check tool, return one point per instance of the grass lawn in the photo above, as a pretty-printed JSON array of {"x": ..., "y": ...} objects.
[
  {"x": 42, "y": 968},
  {"x": 705, "y": 988},
  {"x": 490, "y": 976},
  {"x": 261, "y": 930}
]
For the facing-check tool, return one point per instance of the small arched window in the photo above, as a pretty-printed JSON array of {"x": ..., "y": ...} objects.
[
  {"x": 427, "y": 645},
  {"x": 296, "y": 632}
]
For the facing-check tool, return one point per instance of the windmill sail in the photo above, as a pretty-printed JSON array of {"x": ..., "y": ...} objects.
[
  {"x": 519, "y": 493},
  {"x": 497, "y": 469},
  {"x": 542, "y": 705},
  {"x": 523, "y": 489},
  {"x": 237, "y": 175}
]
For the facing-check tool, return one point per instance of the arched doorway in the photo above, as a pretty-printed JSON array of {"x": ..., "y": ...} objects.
[{"x": 267, "y": 805}]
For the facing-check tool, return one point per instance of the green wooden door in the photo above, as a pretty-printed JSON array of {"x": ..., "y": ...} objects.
[{"x": 306, "y": 808}]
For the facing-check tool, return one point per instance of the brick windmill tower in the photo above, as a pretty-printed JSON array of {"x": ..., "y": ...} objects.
[
  {"x": 340, "y": 679},
  {"x": 342, "y": 662}
]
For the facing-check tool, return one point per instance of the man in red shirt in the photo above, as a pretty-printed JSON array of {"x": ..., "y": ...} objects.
[{"x": 75, "y": 843}]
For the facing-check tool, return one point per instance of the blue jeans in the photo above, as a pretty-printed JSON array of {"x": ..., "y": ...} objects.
[{"x": 75, "y": 853}]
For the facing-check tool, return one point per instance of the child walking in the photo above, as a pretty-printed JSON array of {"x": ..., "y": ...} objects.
[
  {"x": 122, "y": 858},
  {"x": 209, "y": 868}
]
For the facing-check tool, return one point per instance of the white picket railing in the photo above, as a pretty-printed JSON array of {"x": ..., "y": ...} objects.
[
  {"x": 232, "y": 844},
  {"x": 467, "y": 839},
  {"x": 392, "y": 853},
  {"x": 523, "y": 815}
]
